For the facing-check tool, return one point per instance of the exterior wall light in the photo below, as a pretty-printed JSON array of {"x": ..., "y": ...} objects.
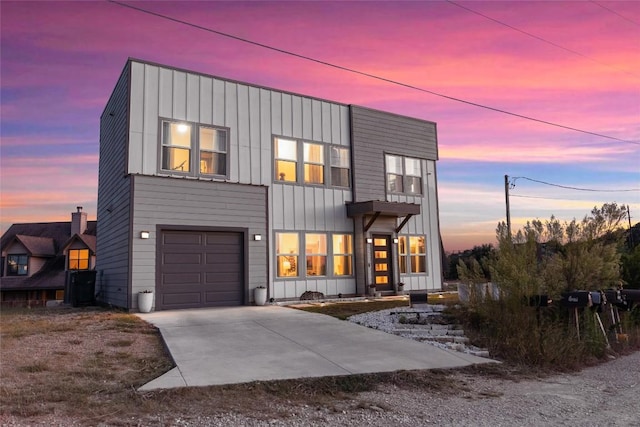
[
  {"x": 257, "y": 237},
  {"x": 369, "y": 240},
  {"x": 144, "y": 234},
  {"x": 395, "y": 240}
]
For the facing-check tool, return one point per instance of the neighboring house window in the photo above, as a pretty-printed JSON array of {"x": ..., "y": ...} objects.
[
  {"x": 316, "y": 254},
  {"x": 176, "y": 146},
  {"x": 78, "y": 259},
  {"x": 313, "y": 163},
  {"x": 287, "y": 254},
  {"x": 412, "y": 254},
  {"x": 286, "y": 155},
  {"x": 213, "y": 151},
  {"x": 17, "y": 265},
  {"x": 342, "y": 255},
  {"x": 340, "y": 165},
  {"x": 404, "y": 175}
]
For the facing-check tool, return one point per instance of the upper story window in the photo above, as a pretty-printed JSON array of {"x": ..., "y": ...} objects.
[
  {"x": 404, "y": 174},
  {"x": 412, "y": 254},
  {"x": 313, "y": 163},
  {"x": 301, "y": 162},
  {"x": 17, "y": 265},
  {"x": 286, "y": 154},
  {"x": 340, "y": 164},
  {"x": 176, "y": 147},
  {"x": 213, "y": 151},
  {"x": 181, "y": 139},
  {"x": 78, "y": 259}
]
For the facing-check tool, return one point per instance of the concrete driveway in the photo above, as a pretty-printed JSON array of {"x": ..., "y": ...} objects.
[{"x": 229, "y": 345}]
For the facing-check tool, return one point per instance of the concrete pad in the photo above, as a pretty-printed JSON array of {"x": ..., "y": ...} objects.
[{"x": 243, "y": 344}]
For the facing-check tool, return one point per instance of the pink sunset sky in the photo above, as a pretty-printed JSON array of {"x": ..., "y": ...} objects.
[{"x": 572, "y": 63}]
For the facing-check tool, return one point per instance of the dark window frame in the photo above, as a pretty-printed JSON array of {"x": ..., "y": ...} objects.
[
  {"x": 300, "y": 163},
  {"x": 405, "y": 178},
  {"x": 15, "y": 271},
  {"x": 195, "y": 149}
]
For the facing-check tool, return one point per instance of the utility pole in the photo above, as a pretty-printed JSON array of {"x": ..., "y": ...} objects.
[
  {"x": 630, "y": 229},
  {"x": 506, "y": 198}
]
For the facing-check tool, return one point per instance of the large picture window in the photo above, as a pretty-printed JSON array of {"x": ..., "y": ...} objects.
[
  {"x": 404, "y": 174},
  {"x": 17, "y": 265},
  {"x": 176, "y": 146},
  {"x": 412, "y": 254},
  {"x": 287, "y": 254},
  {"x": 323, "y": 253},
  {"x": 342, "y": 255},
  {"x": 316, "y": 253},
  {"x": 213, "y": 151},
  {"x": 78, "y": 259},
  {"x": 286, "y": 154}
]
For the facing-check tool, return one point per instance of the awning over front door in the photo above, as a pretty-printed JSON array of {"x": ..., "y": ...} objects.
[{"x": 377, "y": 208}]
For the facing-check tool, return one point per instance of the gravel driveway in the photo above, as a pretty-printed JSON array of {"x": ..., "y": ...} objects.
[{"x": 605, "y": 395}]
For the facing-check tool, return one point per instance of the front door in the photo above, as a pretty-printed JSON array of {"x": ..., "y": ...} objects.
[{"x": 382, "y": 273}]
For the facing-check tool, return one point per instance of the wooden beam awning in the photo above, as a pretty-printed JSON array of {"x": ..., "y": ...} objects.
[{"x": 376, "y": 208}]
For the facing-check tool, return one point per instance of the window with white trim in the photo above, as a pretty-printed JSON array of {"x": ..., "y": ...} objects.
[
  {"x": 404, "y": 174},
  {"x": 412, "y": 254}
]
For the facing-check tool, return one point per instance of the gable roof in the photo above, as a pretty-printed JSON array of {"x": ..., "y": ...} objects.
[
  {"x": 37, "y": 246},
  {"x": 37, "y": 237},
  {"x": 87, "y": 240}
]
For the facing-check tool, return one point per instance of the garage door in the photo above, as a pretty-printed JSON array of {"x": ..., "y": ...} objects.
[{"x": 200, "y": 269}]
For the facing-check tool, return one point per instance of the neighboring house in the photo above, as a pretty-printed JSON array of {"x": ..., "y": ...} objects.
[
  {"x": 36, "y": 258},
  {"x": 209, "y": 188}
]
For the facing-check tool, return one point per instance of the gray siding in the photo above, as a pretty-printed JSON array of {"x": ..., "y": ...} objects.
[
  {"x": 180, "y": 202},
  {"x": 374, "y": 133},
  {"x": 112, "y": 246}
]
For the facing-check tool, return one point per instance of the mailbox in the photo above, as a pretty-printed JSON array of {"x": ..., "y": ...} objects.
[{"x": 576, "y": 299}]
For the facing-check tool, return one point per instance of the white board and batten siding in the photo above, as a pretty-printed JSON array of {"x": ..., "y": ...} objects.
[{"x": 253, "y": 115}]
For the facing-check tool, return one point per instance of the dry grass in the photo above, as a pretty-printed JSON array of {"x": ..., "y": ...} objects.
[{"x": 83, "y": 366}]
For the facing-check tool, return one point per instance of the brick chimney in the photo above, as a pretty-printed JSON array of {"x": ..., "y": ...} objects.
[{"x": 78, "y": 221}]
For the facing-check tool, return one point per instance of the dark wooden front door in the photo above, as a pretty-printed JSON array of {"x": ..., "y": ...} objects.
[{"x": 382, "y": 265}]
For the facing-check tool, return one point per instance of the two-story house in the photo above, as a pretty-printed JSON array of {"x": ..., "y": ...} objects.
[
  {"x": 37, "y": 257},
  {"x": 209, "y": 188}
]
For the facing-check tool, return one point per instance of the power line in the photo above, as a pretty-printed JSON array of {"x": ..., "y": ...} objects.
[
  {"x": 540, "y": 197},
  {"x": 615, "y": 13},
  {"x": 574, "y": 188},
  {"x": 373, "y": 76},
  {"x": 541, "y": 39}
]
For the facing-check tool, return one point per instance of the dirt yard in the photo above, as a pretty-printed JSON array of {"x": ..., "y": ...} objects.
[{"x": 81, "y": 367}]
